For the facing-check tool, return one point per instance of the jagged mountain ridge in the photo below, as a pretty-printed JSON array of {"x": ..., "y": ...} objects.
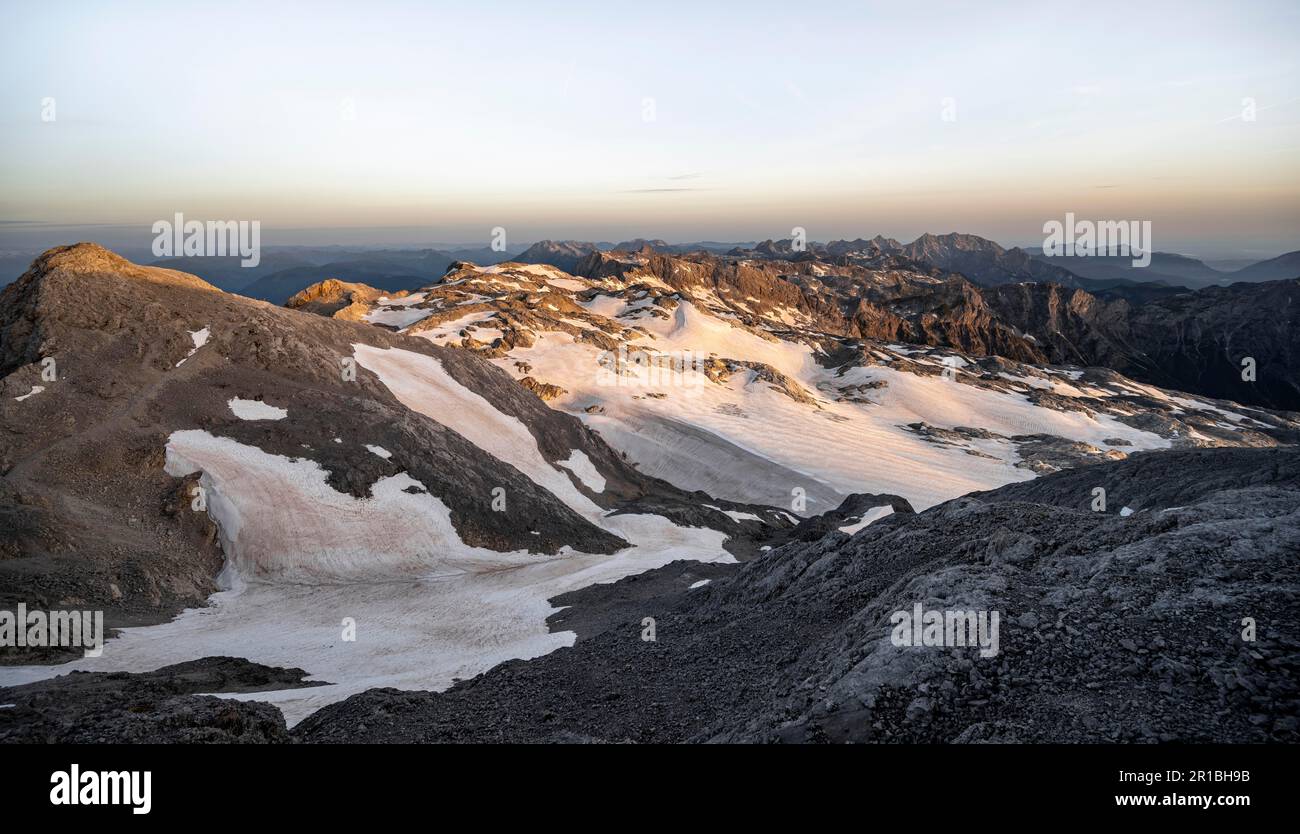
[
  {"x": 805, "y": 376},
  {"x": 983, "y": 261},
  {"x": 1034, "y": 318}
]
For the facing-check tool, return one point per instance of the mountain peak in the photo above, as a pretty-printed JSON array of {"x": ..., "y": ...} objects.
[
  {"x": 641, "y": 245},
  {"x": 957, "y": 240},
  {"x": 564, "y": 254},
  {"x": 87, "y": 258}
]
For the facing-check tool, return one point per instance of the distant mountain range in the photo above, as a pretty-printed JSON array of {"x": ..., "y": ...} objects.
[
  {"x": 284, "y": 271},
  {"x": 983, "y": 261},
  {"x": 1274, "y": 269}
]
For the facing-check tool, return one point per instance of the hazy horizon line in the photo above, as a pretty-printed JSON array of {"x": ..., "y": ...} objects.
[{"x": 44, "y": 235}]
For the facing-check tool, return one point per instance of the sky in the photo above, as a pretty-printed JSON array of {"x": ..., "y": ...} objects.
[{"x": 395, "y": 122}]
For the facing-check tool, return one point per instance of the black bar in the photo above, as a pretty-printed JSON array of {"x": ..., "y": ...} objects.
[{"x": 299, "y": 782}]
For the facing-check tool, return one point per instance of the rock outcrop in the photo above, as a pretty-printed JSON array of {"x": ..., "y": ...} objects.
[{"x": 336, "y": 299}]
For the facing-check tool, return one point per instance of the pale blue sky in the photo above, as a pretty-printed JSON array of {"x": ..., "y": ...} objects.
[{"x": 766, "y": 116}]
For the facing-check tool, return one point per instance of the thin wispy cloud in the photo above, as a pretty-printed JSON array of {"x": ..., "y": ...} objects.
[{"x": 658, "y": 190}]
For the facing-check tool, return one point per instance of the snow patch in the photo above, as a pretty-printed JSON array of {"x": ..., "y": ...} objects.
[
  {"x": 255, "y": 410},
  {"x": 429, "y": 608},
  {"x": 200, "y": 338},
  {"x": 735, "y": 515},
  {"x": 873, "y": 514},
  {"x": 399, "y": 312},
  {"x": 422, "y": 384},
  {"x": 580, "y": 465}
]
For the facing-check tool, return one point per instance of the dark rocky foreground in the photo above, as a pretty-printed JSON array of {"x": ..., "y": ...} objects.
[
  {"x": 1113, "y": 628},
  {"x": 149, "y": 708}
]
